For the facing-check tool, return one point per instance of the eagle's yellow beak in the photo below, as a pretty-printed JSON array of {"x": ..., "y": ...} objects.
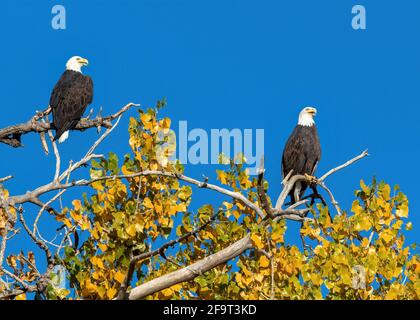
[
  {"x": 312, "y": 111},
  {"x": 83, "y": 61}
]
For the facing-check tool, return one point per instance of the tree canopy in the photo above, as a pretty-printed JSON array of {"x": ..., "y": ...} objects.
[{"x": 134, "y": 236}]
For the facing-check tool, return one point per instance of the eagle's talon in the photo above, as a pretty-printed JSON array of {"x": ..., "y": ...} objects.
[{"x": 311, "y": 179}]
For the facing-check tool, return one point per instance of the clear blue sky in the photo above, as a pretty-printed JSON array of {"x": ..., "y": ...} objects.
[{"x": 227, "y": 64}]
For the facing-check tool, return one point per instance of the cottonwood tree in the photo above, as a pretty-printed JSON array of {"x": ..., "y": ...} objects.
[{"x": 135, "y": 237}]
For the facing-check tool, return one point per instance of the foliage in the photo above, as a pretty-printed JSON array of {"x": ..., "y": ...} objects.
[
  {"x": 122, "y": 218},
  {"x": 371, "y": 238}
]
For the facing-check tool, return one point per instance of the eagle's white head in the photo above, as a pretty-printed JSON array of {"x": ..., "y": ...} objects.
[
  {"x": 76, "y": 63},
  {"x": 306, "y": 117}
]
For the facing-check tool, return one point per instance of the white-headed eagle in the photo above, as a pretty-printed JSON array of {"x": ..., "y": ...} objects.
[
  {"x": 302, "y": 152},
  {"x": 70, "y": 97}
]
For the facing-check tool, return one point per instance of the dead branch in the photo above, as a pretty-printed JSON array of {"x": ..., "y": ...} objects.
[
  {"x": 12, "y": 135},
  {"x": 5, "y": 179},
  {"x": 192, "y": 271},
  {"x": 35, "y": 194},
  {"x": 344, "y": 165},
  {"x": 38, "y": 242},
  {"x": 288, "y": 185}
]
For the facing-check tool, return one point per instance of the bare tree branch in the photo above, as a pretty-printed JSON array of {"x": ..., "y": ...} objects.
[
  {"x": 5, "y": 179},
  {"x": 39, "y": 243},
  {"x": 29, "y": 196},
  {"x": 12, "y": 135},
  {"x": 57, "y": 157},
  {"x": 288, "y": 184},
  {"x": 192, "y": 271},
  {"x": 3, "y": 244},
  {"x": 344, "y": 165}
]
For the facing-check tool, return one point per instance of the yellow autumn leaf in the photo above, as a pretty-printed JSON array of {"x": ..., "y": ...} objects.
[
  {"x": 77, "y": 204},
  {"x": 259, "y": 277},
  {"x": 21, "y": 296},
  {"x": 96, "y": 275},
  {"x": 356, "y": 208},
  {"x": 236, "y": 214},
  {"x": 102, "y": 246},
  {"x": 85, "y": 225},
  {"x": 148, "y": 203},
  {"x": 228, "y": 205},
  {"x": 289, "y": 269},
  {"x": 119, "y": 276},
  {"x": 387, "y": 235},
  {"x": 386, "y": 191},
  {"x": 131, "y": 230},
  {"x": 96, "y": 261},
  {"x": 95, "y": 234},
  {"x": 278, "y": 234},
  {"x": 125, "y": 171},
  {"x": 139, "y": 227},
  {"x": 247, "y": 280},
  {"x": 365, "y": 223},
  {"x": 75, "y": 215},
  {"x": 365, "y": 242},
  {"x": 67, "y": 222},
  {"x": 145, "y": 118},
  {"x": 181, "y": 207},
  {"x": 111, "y": 292},
  {"x": 316, "y": 279},
  {"x": 154, "y": 166},
  {"x": 176, "y": 287},
  {"x": 264, "y": 262},
  {"x": 256, "y": 240},
  {"x": 11, "y": 260},
  {"x": 102, "y": 292},
  {"x": 31, "y": 257},
  {"x": 222, "y": 176},
  {"x": 402, "y": 211},
  {"x": 364, "y": 187},
  {"x": 166, "y": 124},
  {"x": 167, "y": 293},
  {"x": 98, "y": 185}
]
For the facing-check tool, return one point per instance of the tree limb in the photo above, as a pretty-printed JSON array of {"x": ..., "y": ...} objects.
[
  {"x": 12, "y": 135},
  {"x": 192, "y": 271},
  {"x": 288, "y": 185}
]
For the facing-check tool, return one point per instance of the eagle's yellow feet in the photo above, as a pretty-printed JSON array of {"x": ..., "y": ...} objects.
[{"x": 311, "y": 179}]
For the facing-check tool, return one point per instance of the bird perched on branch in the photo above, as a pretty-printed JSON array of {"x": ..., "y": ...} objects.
[
  {"x": 70, "y": 97},
  {"x": 302, "y": 152}
]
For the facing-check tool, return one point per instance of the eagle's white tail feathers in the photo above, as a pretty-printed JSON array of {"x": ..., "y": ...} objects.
[{"x": 64, "y": 137}]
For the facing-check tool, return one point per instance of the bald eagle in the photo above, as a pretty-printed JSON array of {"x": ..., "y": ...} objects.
[
  {"x": 71, "y": 95},
  {"x": 302, "y": 152}
]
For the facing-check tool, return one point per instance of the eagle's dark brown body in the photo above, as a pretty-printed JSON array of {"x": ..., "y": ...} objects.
[
  {"x": 69, "y": 99},
  {"x": 301, "y": 154}
]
